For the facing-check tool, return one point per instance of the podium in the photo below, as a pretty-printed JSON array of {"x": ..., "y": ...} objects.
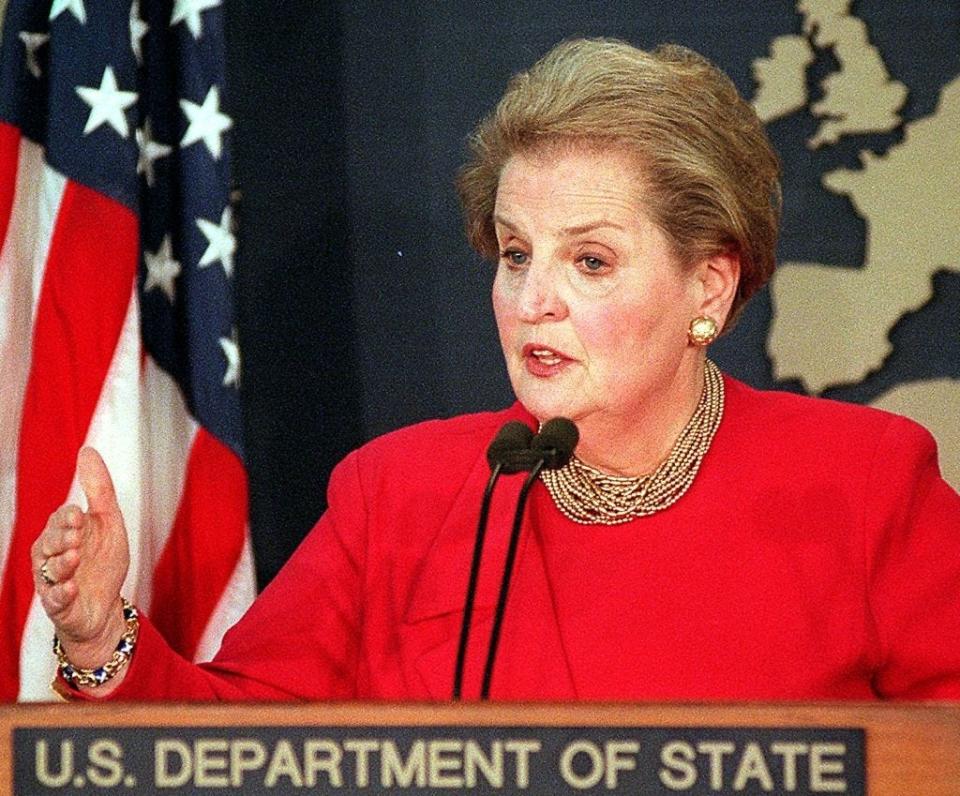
[{"x": 139, "y": 748}]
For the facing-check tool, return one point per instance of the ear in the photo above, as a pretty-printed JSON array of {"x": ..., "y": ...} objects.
[{"x": 719, "y": 277}]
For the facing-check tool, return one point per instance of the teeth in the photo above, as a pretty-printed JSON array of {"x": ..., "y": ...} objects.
[{"x": 546, "y": 356}]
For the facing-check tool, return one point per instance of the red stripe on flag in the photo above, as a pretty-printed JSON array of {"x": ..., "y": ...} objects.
[
  {"x": 204, "y": 545},
  {"x": 83, "y": 302},
  {"x": 9, "y": 156}
]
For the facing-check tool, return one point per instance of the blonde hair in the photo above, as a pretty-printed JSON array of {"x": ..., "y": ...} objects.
[{"x": 710, "y": 174}]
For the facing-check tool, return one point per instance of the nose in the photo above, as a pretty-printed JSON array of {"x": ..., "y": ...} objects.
[{"x": 540, "y": 298}]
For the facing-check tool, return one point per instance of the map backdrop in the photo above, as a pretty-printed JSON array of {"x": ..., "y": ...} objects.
[{"x": 362, "y": 308}]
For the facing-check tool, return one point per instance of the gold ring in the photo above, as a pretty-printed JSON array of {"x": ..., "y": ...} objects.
[{"x": 45, "y": 573}]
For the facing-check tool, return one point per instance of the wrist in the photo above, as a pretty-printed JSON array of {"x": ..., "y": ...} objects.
[
  {"x": 92, "y": 664},
  {"x": 94, "y": 651}
]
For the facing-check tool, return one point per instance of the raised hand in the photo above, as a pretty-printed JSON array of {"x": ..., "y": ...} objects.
[{"x": 80, "y": 561}]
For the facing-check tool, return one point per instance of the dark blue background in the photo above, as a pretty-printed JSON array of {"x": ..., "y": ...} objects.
[{"x": 362, "y": 308}]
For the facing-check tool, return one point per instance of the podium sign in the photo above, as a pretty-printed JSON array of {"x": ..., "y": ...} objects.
[{"x": 481, "y": 749}]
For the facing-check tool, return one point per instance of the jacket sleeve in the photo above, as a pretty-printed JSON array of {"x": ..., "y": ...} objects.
[
  {"x": 299, "y": 639},
  {"x": 912, "y": 532}
]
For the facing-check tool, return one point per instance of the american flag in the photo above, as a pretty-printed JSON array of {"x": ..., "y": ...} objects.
[{"x": 117, "y": 325}]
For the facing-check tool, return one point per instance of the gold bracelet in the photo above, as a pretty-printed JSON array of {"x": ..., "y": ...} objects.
[{"x": 76, "y": 676}]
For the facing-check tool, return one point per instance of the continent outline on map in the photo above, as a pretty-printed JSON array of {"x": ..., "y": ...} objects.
[{"x": 903, "y": 196}]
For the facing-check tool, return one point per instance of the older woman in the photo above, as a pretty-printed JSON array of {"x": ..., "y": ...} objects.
[{"x": 706, "y": 541}]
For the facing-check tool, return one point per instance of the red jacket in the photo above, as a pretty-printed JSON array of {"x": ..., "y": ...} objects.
[{"x": 816, "y": 556}]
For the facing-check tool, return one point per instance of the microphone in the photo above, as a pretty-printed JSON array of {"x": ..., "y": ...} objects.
[
  {"x": 549, "y": 450},
  {"x": 556, "y": 442},
  {"x": 504, "y": 456},
  {"x": 508, "y": 447},
  {"x": 517, "y": 452}
]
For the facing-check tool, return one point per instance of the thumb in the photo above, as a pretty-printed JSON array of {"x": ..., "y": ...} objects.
[{"x": 96, "y": 482}]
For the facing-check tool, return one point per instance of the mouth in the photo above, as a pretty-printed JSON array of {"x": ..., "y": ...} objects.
[{"x": 542, "y": 360}]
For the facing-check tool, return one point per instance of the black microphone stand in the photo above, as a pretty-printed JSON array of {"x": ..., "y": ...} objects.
[
  {"x": 507, "y": 574},
  {"x": 515, "y": 448},
  {"x": 474, "y": 577}
]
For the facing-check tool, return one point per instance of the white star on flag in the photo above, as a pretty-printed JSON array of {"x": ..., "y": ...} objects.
[
  {"x": 220, "y": 241},
  {"x": 232, "y": 352},
  {"x": 33, "y": 42},
  {"x": 206, "y": 122},
  {"x": 138, "y": 29},
  {"x": 150, "y": 151},
  {"x": 75, "y": 7},
  {"x": 107, "y": 104},
  {"x": 189, "y": 11},
  {"x": 162, "y": 269}
]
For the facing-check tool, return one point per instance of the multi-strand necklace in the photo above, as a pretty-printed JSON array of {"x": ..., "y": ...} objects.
[{"x": 589, "y": 496}]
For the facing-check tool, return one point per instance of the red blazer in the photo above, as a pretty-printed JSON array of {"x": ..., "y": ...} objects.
[{"x": 816, "y": 556}]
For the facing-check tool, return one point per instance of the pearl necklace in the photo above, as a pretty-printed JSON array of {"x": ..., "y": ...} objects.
[{"x": 588, "y": 496}]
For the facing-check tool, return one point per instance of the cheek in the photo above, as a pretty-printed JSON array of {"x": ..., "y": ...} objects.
[
  {"x": 502, "y": 306},
  {"x": 608, "y": 328}
]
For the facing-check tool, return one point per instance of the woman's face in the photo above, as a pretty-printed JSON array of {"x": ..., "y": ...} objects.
[{"x": 591, "y": 305}]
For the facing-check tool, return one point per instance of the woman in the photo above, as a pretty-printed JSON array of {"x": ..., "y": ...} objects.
[{"x": 706, "y": 542}]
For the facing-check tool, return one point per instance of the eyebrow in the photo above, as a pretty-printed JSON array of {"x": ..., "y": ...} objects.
[
  {"x": 504, "y": 223},
  {"x": 590, "y": 227},
  {"x": 568, "y": 231}
]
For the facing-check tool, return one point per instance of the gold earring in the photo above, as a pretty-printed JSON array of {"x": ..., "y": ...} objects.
[{"x": 703, "y": 330}]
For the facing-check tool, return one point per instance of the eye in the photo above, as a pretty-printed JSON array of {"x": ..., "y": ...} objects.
[
  {"x": 514, "y": 257},
  {"x": 593, "y": 265}
]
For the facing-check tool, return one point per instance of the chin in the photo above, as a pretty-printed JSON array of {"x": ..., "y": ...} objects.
[
  {"x": 545, "y": 407},
  {"x": 548, "y": 398}
]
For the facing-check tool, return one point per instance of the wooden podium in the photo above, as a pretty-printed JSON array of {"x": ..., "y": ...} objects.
[{"x": 878, "y": 749}]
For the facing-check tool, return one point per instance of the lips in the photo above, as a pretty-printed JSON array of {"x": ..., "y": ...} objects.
[{"x": 541, "y": 360}]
